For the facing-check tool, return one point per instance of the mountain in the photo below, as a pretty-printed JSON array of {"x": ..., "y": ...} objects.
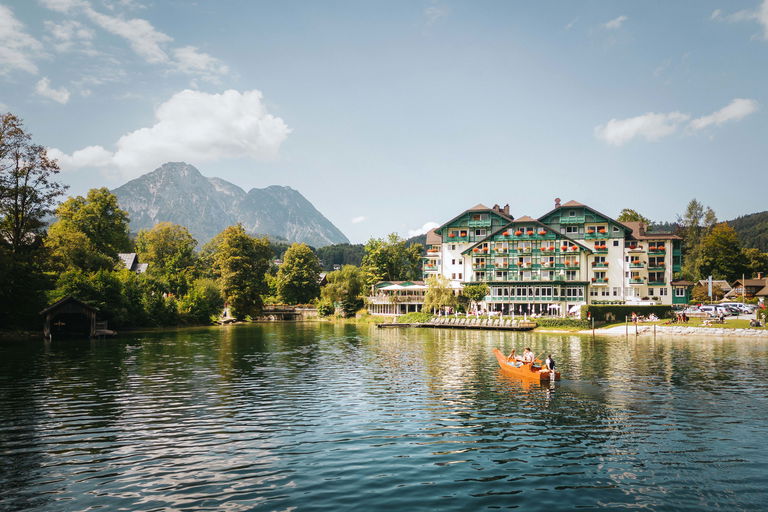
[
  {"x": 177, "y": 192},
  {"x": 752, "y": 230}
]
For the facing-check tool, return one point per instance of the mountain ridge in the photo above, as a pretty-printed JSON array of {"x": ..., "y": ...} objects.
[{"x": 178, "y": 192}]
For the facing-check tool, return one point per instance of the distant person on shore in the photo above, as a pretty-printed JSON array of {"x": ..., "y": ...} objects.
[{"x": 528, "y": 356}]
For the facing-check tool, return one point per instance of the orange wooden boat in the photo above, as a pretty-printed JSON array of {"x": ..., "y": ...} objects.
[{"x": 526, "y": 371}]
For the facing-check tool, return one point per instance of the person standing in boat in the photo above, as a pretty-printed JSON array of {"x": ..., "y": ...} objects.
[
  {"x": 550, "y": 363},
  {"x": 528, "y": 355}
]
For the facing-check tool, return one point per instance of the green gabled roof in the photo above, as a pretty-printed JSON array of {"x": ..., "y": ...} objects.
[
  {"x": 574, "y": 204},
  {"x": 525, "y": 220},
  {"x": 474, "y": 209}
]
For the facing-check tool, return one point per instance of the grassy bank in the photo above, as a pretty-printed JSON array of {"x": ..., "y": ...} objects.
[{"x": 730, "y": 323}]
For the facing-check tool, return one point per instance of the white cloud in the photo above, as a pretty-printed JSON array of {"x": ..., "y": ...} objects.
[
  {"x": 69, "y": 34},
  {"x": 434, "y": 13},
  {"x": 428, "y": 226},
  {"x": 17, "y": 48},
  {"x": 358, "y": 220},
  {"x": 191, "y": 61},
  {"x": 43, "y": 88},
  {"x": 191, "y": 126},
  {"x": 615, "y": 23},
  {"x": 760, "y": 15},
  {"x": 144, "y": 39},
  {"x": 651, "y": 126},
  {"x": 737, "y": 109}
]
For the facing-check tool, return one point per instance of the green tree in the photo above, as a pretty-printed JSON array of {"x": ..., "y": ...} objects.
[
  {"x": 241, "y": 261},
  {"x": 630, "y": 215},
  {"x": 169, "y": 249},
  {"x": 721, "y": 255},
  {"x": 100, "y": 218},
  {"x": 71, "y": 248},
  {"x": 391, "y": 260},
  {"x": 755, "y": 261},
  {"x": 298, "y": 278},
  {"x": 475, "y": 292},
  {"x": 439, "y": 294},
  {"x": 203, "y": 301},
  {"x": 345, "y": 289},
  {"x": 28, "y": 191}
]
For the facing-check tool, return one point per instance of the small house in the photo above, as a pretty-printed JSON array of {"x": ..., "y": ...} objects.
[{"x": 69, "y": 318}]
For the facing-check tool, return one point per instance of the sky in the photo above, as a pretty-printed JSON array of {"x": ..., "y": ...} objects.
[{"x": 395, "y": 116}]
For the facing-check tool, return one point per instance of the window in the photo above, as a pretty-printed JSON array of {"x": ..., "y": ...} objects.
[
  {"x": 453, "y": 247},
  {"x": 571, "y": 229},
  {"x": 680, "y": 291},
  {"x": 570, "y": 275},
  {"x": 615, "y": 242},
  {"x": 599, "y": 275},
  {"x": 616, "y": 229},
  {"x": 479, "y": 232},
  {"x": 453, "y": 276},
  {"x": 572, "y": 213},
  {"x": 453, "y": 262},
  {"x": 616, "y": 291},
  {"x": 663, "y": 292},
  {"x": 599, "y": 259},
  {"x": 460, "y": 275}
]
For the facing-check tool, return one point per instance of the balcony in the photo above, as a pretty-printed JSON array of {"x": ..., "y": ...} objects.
[
  {"x": 658, "y": 267},
  {"x": 572, "y": 220},
  {"x": 599, "y": 264},
  {"x": 524, "y": 250},
  {"x": 637, "y": 280},
  {"x": 600, "y": 249},
  {"x": 636, "y": 264},
  {"x": 656, "y": 250},
  {"x": 634, "y": 248},
  {"x": 600, "y": 281},
  {"x": 597, "y": 234},
  {"x": 480, "y": 223},
  {"x": 657, "y": 283},
  {"x": 456, "y": 238},
  {"x": 572, "y": 265}
]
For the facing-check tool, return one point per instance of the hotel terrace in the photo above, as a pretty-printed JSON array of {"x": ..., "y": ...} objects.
[{"x": 568, "y": 257}]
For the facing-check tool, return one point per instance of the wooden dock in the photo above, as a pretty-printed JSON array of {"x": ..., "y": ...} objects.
[{"x": 468, "y": 323}]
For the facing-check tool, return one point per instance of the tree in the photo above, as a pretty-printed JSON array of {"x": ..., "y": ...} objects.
[
  {"x": 28, "y": 192},
  {"x": 630, "y": 215},
  {"x": 169, "y": 249},
  {"x": 298, "y": 278},
  {"x": 344, "y": 289},
  {"x": 391, "y": 260},
  {"x": 241, "y": 262},
  {"x": 755, "y": 261},
  {"x": 721, "y": 255},
  {"x": 203, "y": 301},
  {"x": 27, "y": 189},
  {"x": 99, "y": 217},
  {"x": 439, "y": 294},
  {"x": 475, "y": 292},
  {"x": 700, "y": 293}
]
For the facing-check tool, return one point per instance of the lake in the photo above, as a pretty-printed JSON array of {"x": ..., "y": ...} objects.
[{"x": 317, "y": 416}]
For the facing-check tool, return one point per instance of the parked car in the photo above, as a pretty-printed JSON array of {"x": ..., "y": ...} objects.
[
  {"x": 738, "y": 306},
  {"x": 714, "y": 310}
]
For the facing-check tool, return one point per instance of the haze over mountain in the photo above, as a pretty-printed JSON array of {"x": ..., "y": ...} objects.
[{"x": 177, "y": 192}]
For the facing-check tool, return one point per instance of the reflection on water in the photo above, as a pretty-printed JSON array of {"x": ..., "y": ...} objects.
[{"x": 310, "y": 417}]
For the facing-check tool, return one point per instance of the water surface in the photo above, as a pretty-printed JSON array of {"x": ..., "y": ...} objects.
[{"x": 334, "y": 417}]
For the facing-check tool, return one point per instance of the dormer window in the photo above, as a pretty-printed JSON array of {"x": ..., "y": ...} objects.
[{"x": 572, "y": 213}]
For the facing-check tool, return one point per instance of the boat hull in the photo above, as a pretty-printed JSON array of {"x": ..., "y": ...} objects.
[{"x": 527, "y": 371}]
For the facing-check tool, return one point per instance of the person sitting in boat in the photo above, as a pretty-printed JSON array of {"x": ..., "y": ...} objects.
[
  {"x": 549, "y": 363},
  {"x": 515, "y": 359},
  {"x": 528, "y": 356}
]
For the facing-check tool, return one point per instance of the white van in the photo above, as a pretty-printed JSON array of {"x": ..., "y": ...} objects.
[{"x": 714, "y": 310}]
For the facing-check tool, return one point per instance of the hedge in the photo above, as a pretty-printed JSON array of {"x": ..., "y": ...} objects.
[
  {"x": 618, "y": 313},
  {"x": 562, "y": 322},
  {"x": 415, "y": 318}
]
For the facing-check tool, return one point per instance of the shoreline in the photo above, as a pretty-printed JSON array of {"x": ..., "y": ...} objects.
[{"x": 648, "y": 330}]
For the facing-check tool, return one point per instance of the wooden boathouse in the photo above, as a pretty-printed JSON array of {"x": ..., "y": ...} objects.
[{"x": 71, "y": 318}]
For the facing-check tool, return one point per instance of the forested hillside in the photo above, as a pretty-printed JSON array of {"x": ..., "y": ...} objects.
[{"x": 752, "y": 230}]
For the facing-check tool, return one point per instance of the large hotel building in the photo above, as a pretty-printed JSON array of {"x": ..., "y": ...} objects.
[{"x": 570, "y": 256}]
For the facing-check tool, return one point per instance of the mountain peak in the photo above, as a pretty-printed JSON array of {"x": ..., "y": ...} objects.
[{"x": 177, "y": 192}]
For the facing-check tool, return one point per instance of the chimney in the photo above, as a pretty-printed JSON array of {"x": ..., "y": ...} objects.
[
  {"x": 557, "y": 202},
  {"x": 496, "y": 207},
  {"x": 759, "y": 275},
  {"x": 506, "y": 209}
]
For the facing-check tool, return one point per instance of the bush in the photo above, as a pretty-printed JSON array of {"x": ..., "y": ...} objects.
[
  {"x": 563, "y": 322},
  {"x": 618, "y": 313},
  {"x": 415, "y": 318},
  {"x": 325, "y": 308}
]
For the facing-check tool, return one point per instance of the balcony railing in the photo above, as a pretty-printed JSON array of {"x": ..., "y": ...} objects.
[
  {"x": 636, "y": 280},
  {"x": 572, "y": 220},
  {"x": 601, "y": 280},
  {"x": 600, "y": 264},
  {"x": 596, "y": 234},
  {"x": 638, "y": 264},
  {"x": 457, "y": 238},
  {"x": 480, "y": 223},
  {"x": 657, "y": 267},
  {"x": 656, "y": 282},
  {"x": 657, "y": 250}
]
